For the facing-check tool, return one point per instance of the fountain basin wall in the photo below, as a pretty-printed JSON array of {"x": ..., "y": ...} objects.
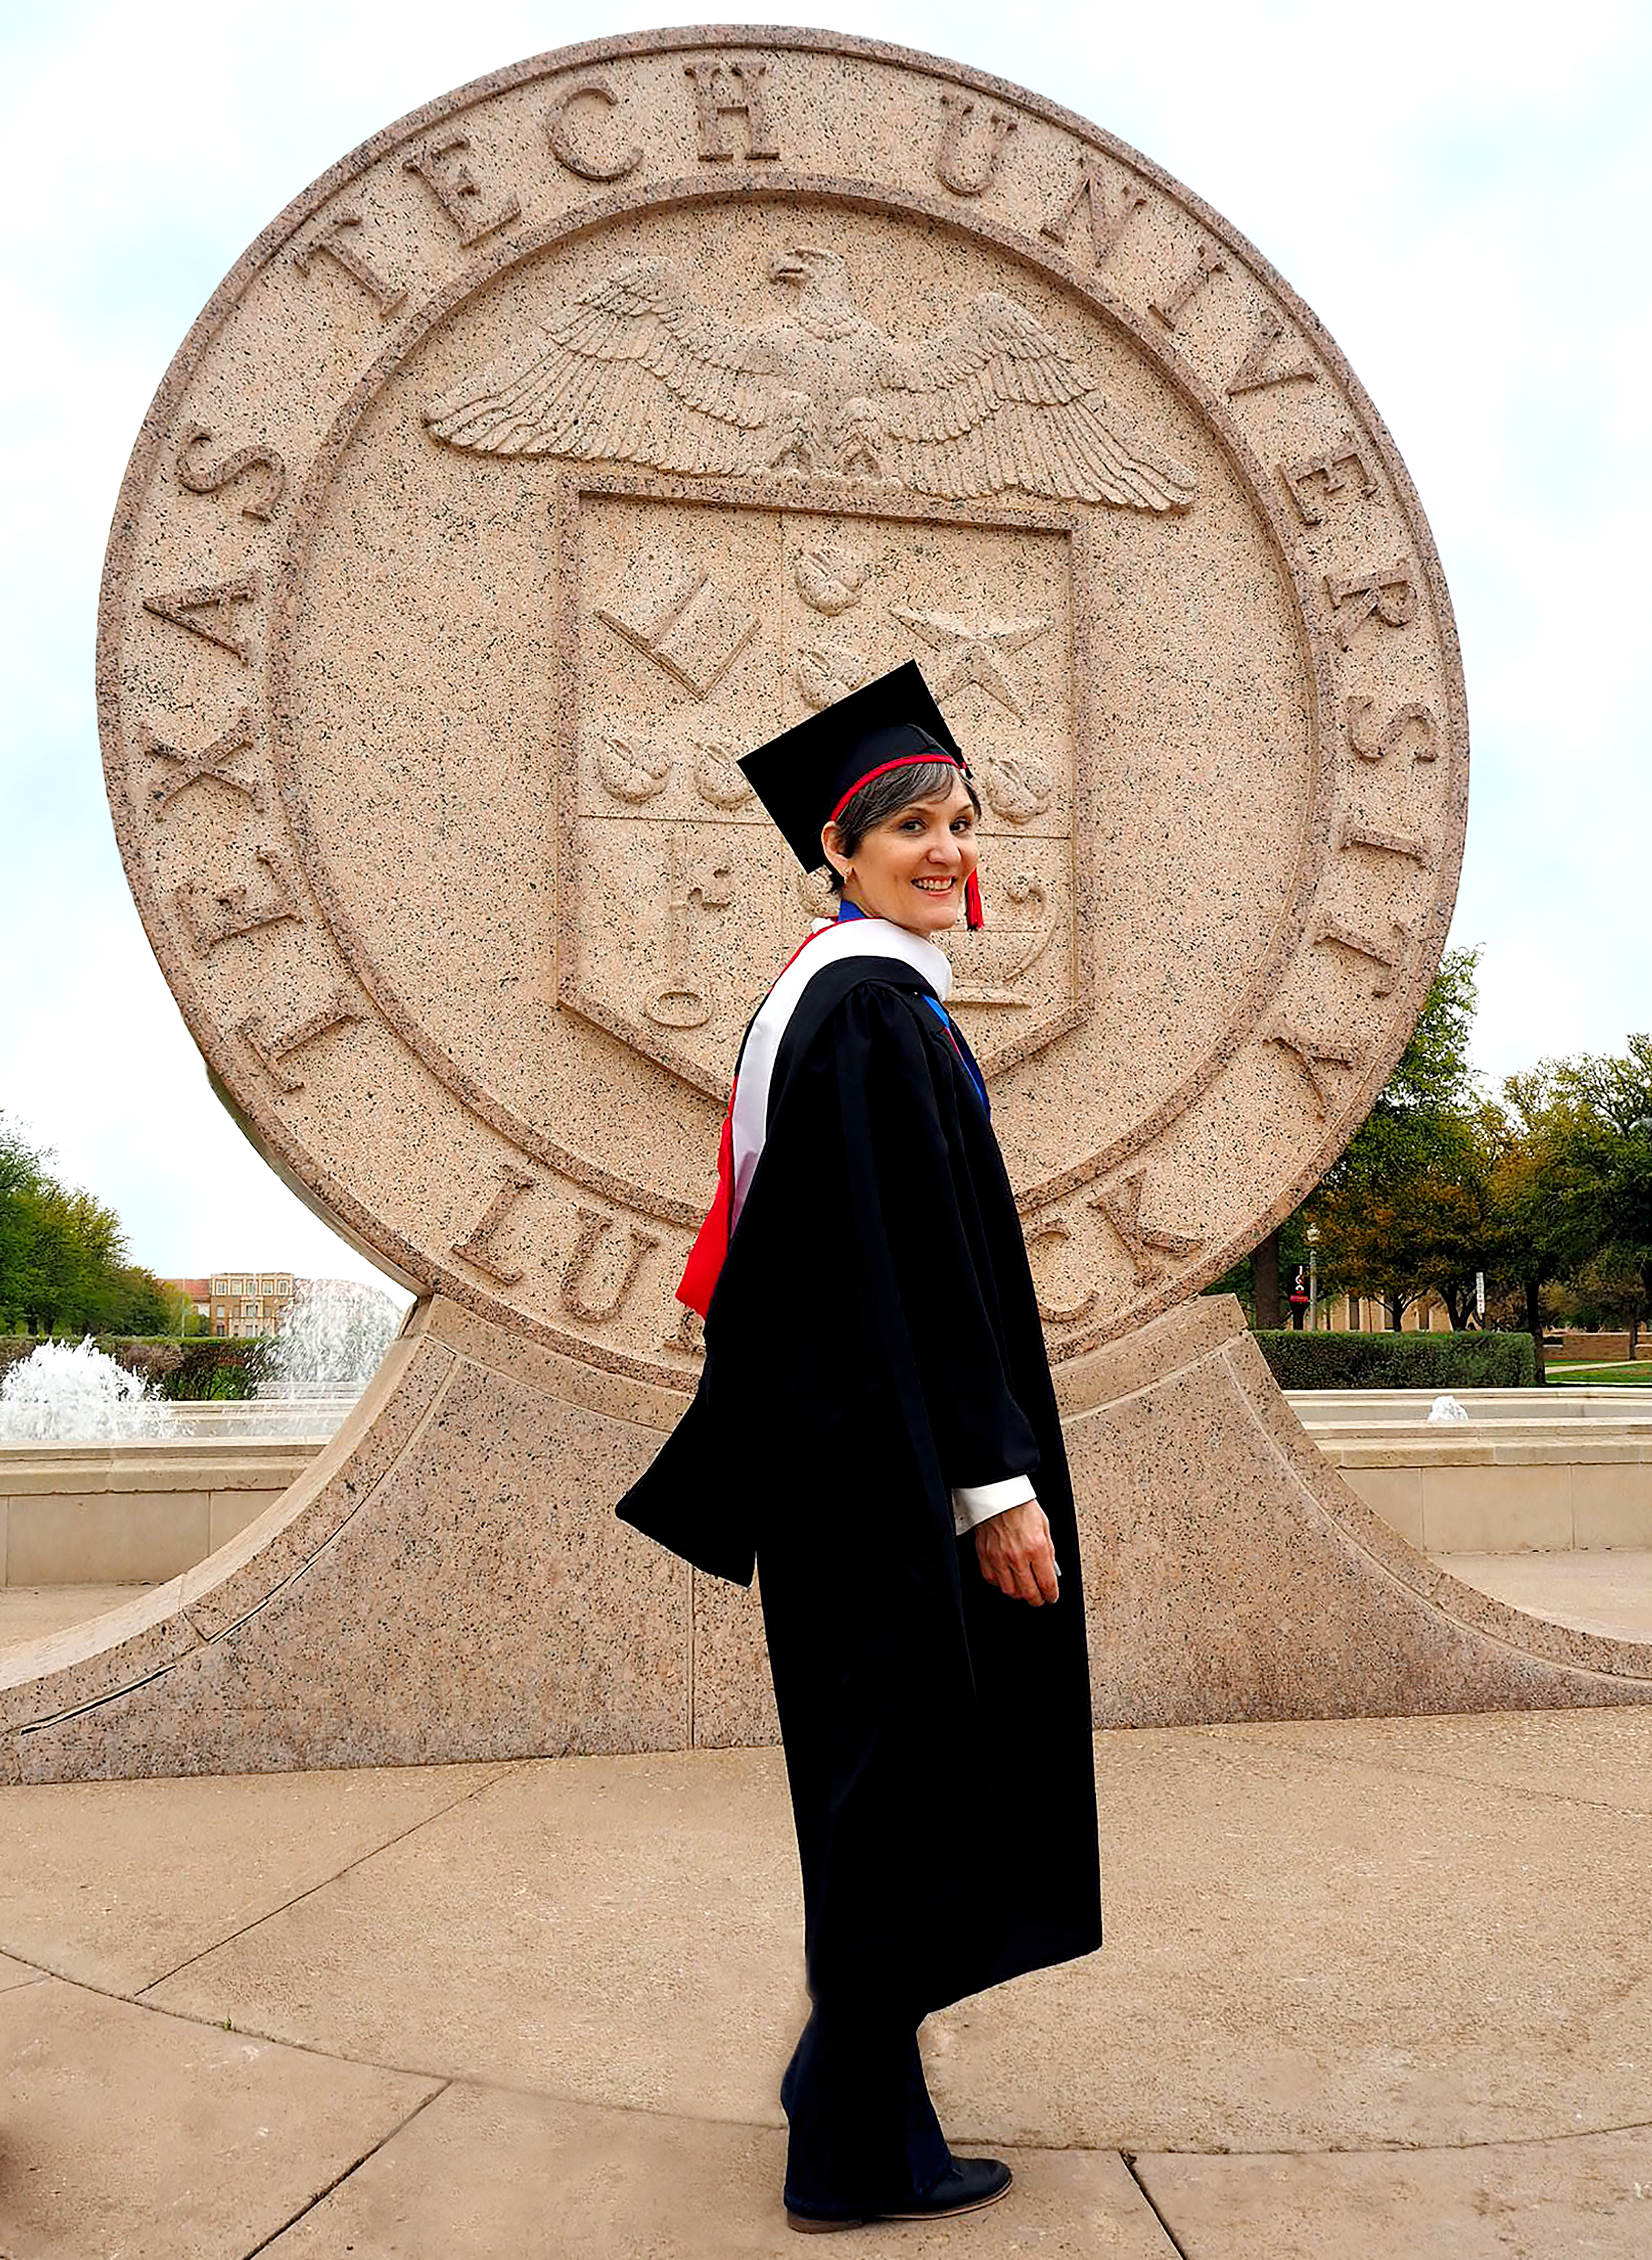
[
  {"x": 1513, "y": 1495},
  {"x": 1531, "y": 1470},
  {"x": 134, "y": 1513},
  {"x": 1331, "y": 1411},
  {"x": 1528, "y": 1472}
]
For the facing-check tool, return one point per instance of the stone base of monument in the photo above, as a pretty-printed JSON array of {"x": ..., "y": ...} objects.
[{"x": 448, "y": 1581}]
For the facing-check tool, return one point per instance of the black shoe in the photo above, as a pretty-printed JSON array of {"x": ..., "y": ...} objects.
[{"x": 967, "y": 2186}]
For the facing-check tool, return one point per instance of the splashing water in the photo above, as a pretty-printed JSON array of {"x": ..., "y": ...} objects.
[
  {"x": 72, "y": 1392},
  {"x": 332, "y": 1341},
  {"x": 330, "y": 1347}
]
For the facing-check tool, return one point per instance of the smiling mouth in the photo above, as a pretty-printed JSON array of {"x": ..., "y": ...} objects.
[{"x": 935, "y": 886}]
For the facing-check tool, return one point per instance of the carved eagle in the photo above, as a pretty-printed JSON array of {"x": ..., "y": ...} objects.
[{"x": 637, "y": 370}]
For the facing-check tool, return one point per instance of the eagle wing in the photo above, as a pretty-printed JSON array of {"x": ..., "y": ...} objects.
[
  {"x": 633, "y": 371},
  {"x": 995, "y": 403}
]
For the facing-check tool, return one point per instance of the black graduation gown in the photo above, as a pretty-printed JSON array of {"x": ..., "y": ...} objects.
[{"x": 873, "y": 1341}]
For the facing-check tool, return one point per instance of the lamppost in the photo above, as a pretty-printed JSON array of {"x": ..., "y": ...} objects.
[{"x": 1311, "y": 1234}]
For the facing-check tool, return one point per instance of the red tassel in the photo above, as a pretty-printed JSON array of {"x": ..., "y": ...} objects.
[{"x": 973, "y": 915}]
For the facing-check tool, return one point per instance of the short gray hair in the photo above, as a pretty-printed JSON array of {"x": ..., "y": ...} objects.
[{"x": 880, "y": 797}]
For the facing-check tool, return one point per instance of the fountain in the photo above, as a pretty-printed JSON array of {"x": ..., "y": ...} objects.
[
  {"x": 75, "y": 1392},
  {"x": 171, "y": 1482},
  {"x": 310, "y": 1375},
  {"x": 331, "y": 1341}
]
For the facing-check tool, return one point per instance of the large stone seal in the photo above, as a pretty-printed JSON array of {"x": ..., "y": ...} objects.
[
  {"x": 595, "y": 423},
  {"x": 575, "y": 433}
]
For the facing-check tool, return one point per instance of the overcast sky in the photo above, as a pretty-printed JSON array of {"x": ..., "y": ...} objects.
[{"x": 1460, "y": 189}]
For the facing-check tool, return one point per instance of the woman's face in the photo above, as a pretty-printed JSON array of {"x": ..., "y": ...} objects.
[{"x": 911, "y": 868}]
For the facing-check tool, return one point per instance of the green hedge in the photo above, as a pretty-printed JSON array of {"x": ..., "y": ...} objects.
[
  {"x": 1438, "y": 1361},
  {"x": 200, "y": 1366},
  {"x": 217, "y": 1366}
]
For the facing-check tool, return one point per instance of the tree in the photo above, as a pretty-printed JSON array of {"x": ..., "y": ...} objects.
[
  {"x": 1249, "y": 1278},
  {"x": 1605, "y": 1293},
  {"x": 138, "y": 1302},
  {"x": 63, "y": 1255},
  {"x": 22, "y": 1171},
  {"x": 180, "y": 1316},
  {"x": 1549, "y": 1181},
  {"x": 1607, "y": 1139},
  {"x": 1265, "y": 1280},
  {"x": 1403, "y": 1210},
  {"x": 75, "y": 1247},
  {"x": 1537, "y": 1232}
]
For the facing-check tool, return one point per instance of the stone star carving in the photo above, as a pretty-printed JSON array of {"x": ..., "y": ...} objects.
[{"x": 971, "y": 651}]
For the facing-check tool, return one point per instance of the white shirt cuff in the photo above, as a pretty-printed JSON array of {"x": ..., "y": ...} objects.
[{"x": 973, "y": 1503}]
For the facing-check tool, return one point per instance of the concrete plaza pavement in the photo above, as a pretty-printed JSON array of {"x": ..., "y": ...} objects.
[
  {"x": 1607, "y": 1590},
  {"x": 1380, "y": 1989}
]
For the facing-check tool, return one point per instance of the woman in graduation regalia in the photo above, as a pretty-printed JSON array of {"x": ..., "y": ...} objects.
[{"x": 875, "y": 1429}]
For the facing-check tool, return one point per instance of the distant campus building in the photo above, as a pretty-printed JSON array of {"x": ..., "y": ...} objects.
[
  {"x": 240, "y": 1302},
  {"x": 197, "y": 1293},
  {"x": 1364, "y": 1314}
]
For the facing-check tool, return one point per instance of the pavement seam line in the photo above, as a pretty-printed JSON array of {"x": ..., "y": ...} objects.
[
  {"x": 372, "y": 2151},
  {"x": 1128, "y": 2159},
  {"x": 1418, "y": 1771},
  {"x": 506, "y": 1766},
  {"x": 1409, "y": 2150},
  {"x": 1147, "y": 2148}
]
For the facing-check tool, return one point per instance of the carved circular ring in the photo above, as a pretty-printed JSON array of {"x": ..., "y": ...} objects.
[{"x": 602, "y": 417}]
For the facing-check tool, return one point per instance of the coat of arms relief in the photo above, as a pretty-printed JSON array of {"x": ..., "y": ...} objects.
[{"x": 838, "y": 500}]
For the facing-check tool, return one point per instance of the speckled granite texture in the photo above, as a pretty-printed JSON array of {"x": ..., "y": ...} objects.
[
  {"x": 449, "y": 1582},
  {"x": 594, "y": 422}
]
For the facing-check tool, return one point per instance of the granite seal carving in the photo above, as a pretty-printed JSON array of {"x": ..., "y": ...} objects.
[
  {"x": 446, "y": 1582},
  {"x": 612, "y": 412}
]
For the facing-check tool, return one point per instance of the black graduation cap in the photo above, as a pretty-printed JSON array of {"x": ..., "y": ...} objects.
[{"x": 806, "y": 774}]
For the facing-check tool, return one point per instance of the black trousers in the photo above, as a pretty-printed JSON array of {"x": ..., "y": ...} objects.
[{"x": 864, "y": 2133}]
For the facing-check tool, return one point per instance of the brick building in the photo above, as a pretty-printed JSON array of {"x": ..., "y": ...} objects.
[
  {"x": 1364, "y": 1314},
  {"x": 248, "y": 1302},
  {"x": 197, "y": 1293}
]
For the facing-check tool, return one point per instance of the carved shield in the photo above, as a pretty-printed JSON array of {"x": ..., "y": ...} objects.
[{"x": 693, "y": 634}]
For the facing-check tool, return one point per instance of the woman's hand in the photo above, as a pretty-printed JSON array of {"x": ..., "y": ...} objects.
[{"x": 1015, "y": 1554}]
